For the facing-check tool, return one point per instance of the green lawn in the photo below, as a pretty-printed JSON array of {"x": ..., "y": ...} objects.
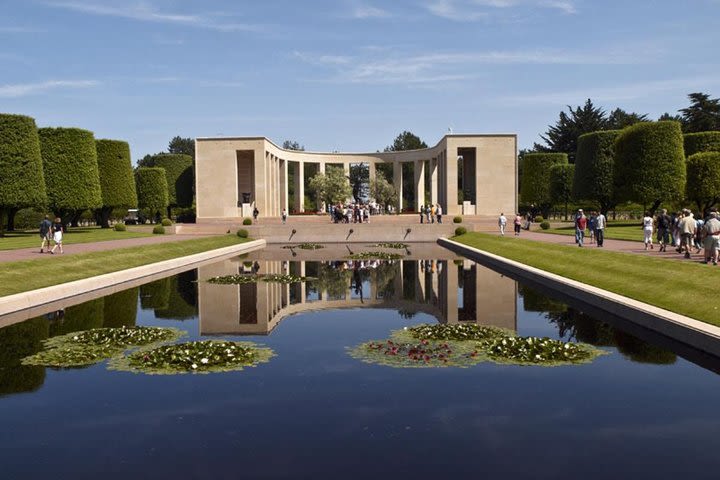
[
  {"x": 31, "y": 239},
  {"x": 33, "y": 274},
  {"x": 615, "y": 230},
  {"x": 680, "y": 286}
]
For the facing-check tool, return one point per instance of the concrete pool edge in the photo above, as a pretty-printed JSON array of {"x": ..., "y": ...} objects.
[
  {"x": 695, "y": 333},
  {"x": 36, "y": 298}
]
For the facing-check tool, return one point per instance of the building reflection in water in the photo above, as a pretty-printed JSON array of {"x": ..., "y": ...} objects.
[{"x": 452, "y": 291}]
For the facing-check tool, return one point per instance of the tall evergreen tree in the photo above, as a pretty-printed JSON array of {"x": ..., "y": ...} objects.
[
  {"x": 620, "y": 119},
  {"x": 562, "y": 137},
  {"x": 703, "y": 114},
  {"x": 406, "y": 141},
  {"x": 182, "y": 146}
]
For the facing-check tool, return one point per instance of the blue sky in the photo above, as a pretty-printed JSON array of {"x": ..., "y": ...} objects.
[{"x": 347, "y": 75}]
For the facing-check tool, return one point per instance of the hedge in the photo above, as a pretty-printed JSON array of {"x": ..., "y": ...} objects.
[
  {"x": 561, "y": 182},
  {"x": 701, "y": 142},
  {"x": 179, "y": 172},
  {"x": 71, "y": 169},
  {"x": 116, "y": 174},
  {"x": 152, "y": 189},
  {"x": 594, "y": 166},
  {"x": 703, "y": 179},
  {"x": 535, "y": 186},
  {"x": 21, "y": 166},
  {"x": 650, "y": 163}
]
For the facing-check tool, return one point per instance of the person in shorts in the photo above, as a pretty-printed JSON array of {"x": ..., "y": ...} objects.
[
  {"x": 57, "y": 235},
  {"x": 712, "y": 238},
  {"x": 45, "y": 234},
  {"x": 687, "y": 232}
]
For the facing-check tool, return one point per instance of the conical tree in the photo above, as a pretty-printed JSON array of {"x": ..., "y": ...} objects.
[
  {"x": 117, "y": 182},
  {"x": 152, "y": 189},
  {"x": 21, "y": 166},
  {"x": 71, "y": 170},
  {"x": 594, "y": 165},
  {"x": 179, "y": 174}
]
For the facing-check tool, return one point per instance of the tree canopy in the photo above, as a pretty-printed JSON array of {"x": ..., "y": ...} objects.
[
  {"x": 179, "y": 172},
  {"x": 650, "y": 163},
  {"x": 535, "y": 186},
  {"x": 332, "y": 187},
  {"x": 383, "y": 191},
  {"x": 182, "y": 146},
  {"x": 293, "y": 145},
  {"x": 406, "y": 141},
  {"x": 117, "y": 183},
  {"x": 701, "y": 142},
  {"x": 702, "y": 115},
  {"x": 22, "y": 184},
  {"x": 561, "y": 183},
  {"x": 70, "y": 168},
  {"x": 594, "y": 166},
  {"x": 703, "y": 180},
  {"x": 152, "y": 191}
]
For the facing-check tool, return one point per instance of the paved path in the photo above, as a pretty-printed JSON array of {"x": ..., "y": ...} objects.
[{"x": 74, "y": 249}]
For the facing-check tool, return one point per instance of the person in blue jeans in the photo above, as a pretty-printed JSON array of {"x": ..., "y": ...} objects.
[{"x": 580, "y": 226}]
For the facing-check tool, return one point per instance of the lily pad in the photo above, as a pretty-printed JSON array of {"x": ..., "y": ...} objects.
[
  {"x": 375, "y": 256},
  {"x": 539, "y": 351},
  {"x": 233, "y": 279},
  {"x": 458, "y": 332},
  {"x": 92, "y": 346},
  {"x": 286, "y": 278},
  {"x": 397, "y": 246},
  {"x": 194, "y": 357},
  {"x": 418, "y": 354},
  {"x": 306, "y": 246}
]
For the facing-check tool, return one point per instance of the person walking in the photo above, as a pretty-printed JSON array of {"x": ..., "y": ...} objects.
[
  {"x": 648, "y": 230},
  {"x": 517, "y": 224},
  {"x": 502, "y": 222},
  {"x": 591, "y": 226},
  {"x": 699, "y": 230},
  {"x": 422, "y": 214},
  {"x": 432, "y": 213},
  {"x": 439, "y": 212},
  {"x": 712, "y": 238},
  {"x": 664, "y": 223},
  {"x": 284, "y": 216},
  {"x": 580, "y": 226},
  {"x": 256, "y": 212},
  {"x": 45, "y": 235},
  {"x": 600, "y": 224},
  {"x": 57, "y": 233},
  {"x": 428, "y": 211},
  {"x": 687, "y": 232}
]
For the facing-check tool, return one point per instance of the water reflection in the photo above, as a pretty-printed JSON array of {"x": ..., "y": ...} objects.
[{"x": 451, "y": 291}]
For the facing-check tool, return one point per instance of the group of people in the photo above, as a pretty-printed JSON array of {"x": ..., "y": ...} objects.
[
  {"x": 594, "y": 224},
  {"x": 517, "y": 223},
  {"x": 51, "y": 232},
  {"x": 350, "y": 213},
  {"x": 430, "y": 213},
  {"x": 684, "y": 231}
]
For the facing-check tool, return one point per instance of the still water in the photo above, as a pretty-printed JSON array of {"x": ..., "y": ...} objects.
[{"x": 314, "y": 412}]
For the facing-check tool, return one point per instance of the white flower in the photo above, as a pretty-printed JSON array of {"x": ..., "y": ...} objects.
[
  {"x": 203, "y": 360},
  {"x": 75, "y": 337},
  {"x": 194, "y": 365}
]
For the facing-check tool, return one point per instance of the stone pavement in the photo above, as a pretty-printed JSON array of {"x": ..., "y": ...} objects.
[{"x": 74, "y": 249}]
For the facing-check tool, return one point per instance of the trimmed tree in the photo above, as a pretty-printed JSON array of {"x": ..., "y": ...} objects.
[
  {"x": 71, "y": 170},
  {"x": 117, "y": 183},
  {"x": 383, "y": 191},
  {"x": 22, "y": 182},
  {"x": 703, "y": 180},
  {"x": 179, "y": 173},
  {"x": 594, "y": 165},
  {"x": 152, "y": 191},
  {"x": 561, "y": 184},
  {"x": 650, "y": 163},
  {"x": 332, "y": 187},
  {"x": 701, "y": 142},
  {"x": 535, "y": 186}
]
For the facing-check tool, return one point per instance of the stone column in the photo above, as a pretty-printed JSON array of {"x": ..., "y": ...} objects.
[
  {"x": 299, "y": 186},
  {"x": 321, "y": 169},
  {"x": 419, "y": 181},
  {"x": 397, "y": 182},
  {"x": 284, "y": 183},
  {"x": 451, "y": 175},
  {"x": 451, "y": 274},
  {"x": 434, "y": 181}
]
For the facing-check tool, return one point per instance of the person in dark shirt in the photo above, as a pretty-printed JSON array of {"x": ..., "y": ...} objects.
[
  {"x": 664, "y": 222},
  {"x": 45, "y": 236}
]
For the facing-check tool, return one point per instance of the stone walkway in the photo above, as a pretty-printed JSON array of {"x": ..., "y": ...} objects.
[{"x": 74, "y": 249}]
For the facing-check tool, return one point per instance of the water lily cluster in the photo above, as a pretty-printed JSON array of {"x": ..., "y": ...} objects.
[
  {"x": 92, "y": 346},
  {"x": 284, "y": 278},
  {"x": 251, "y": 278},
  {"x": 397, "y": 246},
  {"x": 534, "y": 350},
  {"x": 466, "y": 345},
  {"x": 195, "y": 357},
  {"x": 306, "y": 246},
  {"x": 375, "y": 256},
  {"x": 233, "y": 279}
]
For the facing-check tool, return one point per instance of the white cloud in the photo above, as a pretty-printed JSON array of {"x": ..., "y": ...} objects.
[
  {"x": 145, "y": 13},
  {"x": 24, "y": 89},
  {"x": 368, "y": 11},
  {"x": 472, "y": 10}
]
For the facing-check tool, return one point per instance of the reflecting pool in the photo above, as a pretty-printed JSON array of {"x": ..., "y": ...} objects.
[{"x": 646, "y": 409}]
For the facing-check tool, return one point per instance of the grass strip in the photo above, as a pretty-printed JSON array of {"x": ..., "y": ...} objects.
[
  {"x": 684, "y": 287},
  {"x": 18, "y": 240},
  {"x": 33, "y": 274}
]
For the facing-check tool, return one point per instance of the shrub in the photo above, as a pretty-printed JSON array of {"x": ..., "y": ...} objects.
[
  {"x": 535, "y": 186},
  {"x": 594, "y": 166},
  {"x": 22, "y": 182},
  {"x": 703, "y": 179},
  {"x": 242, "y": 233},
  {"x": 539, "y": 219},
  {"x": 247, "y": 221},
  {"x": 701, "y": 142},
  {"x": 71, "y": 169},
  {"x": 159, "y": 230},
  {"x": 166, "y": 222},
  {"x": 117, "y": 183},
  {"x": 545, "y": 225},
  {"x": 179, "y": 175},
  {"x": 457, "y": 219},
  {"x": 650, "y": 163},
  {"x": 460, "y": 231},
  {"x": 120, "y": 227}
]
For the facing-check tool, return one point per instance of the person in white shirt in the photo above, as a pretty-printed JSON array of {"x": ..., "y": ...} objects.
[
  {"x": 502, "y": 221},
  {"x": 600, "y": 223}
]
